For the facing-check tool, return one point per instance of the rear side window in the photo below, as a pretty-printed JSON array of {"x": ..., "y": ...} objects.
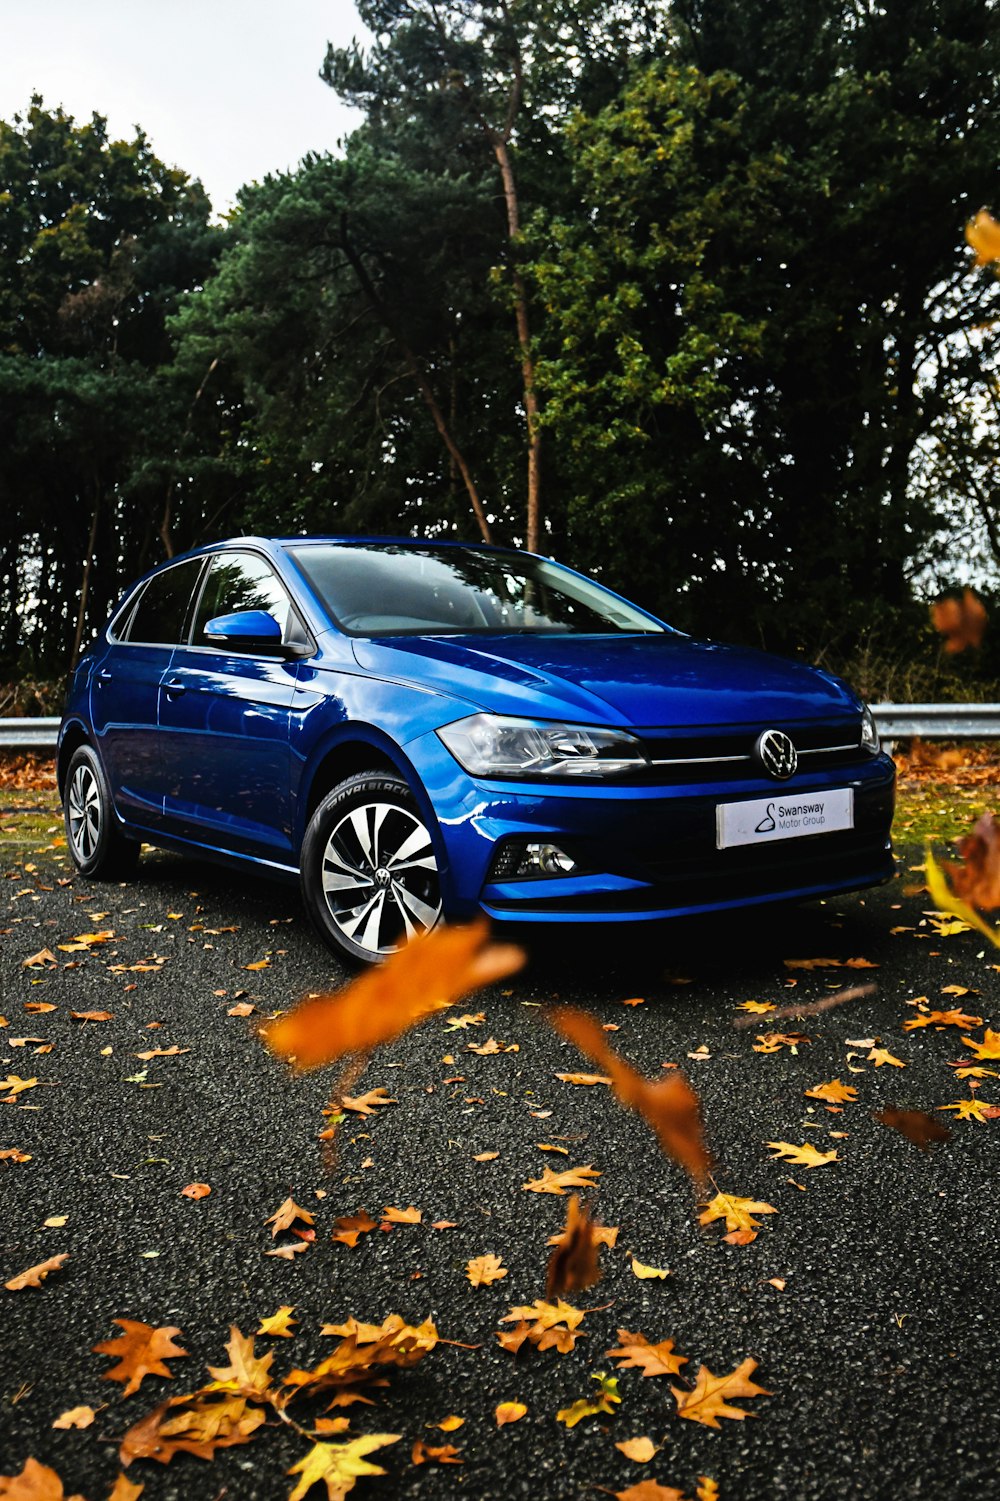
[
  {"x": 242, "y": 581},
  {"x": 160, "y": 617}
]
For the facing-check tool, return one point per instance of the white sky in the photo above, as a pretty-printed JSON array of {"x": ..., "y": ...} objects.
[{"x": 225, "y": 89}]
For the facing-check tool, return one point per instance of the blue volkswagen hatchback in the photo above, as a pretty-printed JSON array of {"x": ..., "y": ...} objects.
[{"x": 421, "y": 731}]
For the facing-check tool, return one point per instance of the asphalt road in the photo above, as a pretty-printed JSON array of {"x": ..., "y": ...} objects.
[{"x": 880, "y": 1351}]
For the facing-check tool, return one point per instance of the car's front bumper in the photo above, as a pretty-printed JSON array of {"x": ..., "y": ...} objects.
[{"x": 646, "y": 851}]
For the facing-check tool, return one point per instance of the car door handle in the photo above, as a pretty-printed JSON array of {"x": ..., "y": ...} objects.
[
  {"x": 174, "y": 690},
  {"x": 104, "y": 676}
]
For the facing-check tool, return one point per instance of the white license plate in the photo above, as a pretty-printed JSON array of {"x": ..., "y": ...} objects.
[{"x": 768, "y": 818}]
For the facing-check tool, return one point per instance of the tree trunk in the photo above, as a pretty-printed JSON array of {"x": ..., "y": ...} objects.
[{"x": 88, "y": 561}]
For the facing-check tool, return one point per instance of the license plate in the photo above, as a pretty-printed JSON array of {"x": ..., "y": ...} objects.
[{"x": 765, "y": 819}]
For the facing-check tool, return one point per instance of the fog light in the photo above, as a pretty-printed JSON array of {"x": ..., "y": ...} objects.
[
  {"x": 548, "y": 859},
  {"x": 517, "y": 859}
]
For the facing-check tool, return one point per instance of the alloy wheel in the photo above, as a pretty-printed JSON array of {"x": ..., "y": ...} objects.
[
  {"x": 84, "y": 813},
  {"x": 380, "y": 877}
]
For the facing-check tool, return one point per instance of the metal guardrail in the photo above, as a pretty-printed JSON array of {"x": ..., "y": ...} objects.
[{"x": 895, "y": 722}]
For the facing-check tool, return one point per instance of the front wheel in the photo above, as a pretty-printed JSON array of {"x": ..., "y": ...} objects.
[
  {"x": 97, "y": 847},
  {"x": 370, "y": 875}
]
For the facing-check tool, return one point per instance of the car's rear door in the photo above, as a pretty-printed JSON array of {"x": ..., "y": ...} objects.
[
  {"x": 125, "y": 689},
  {"x": 224, "y": 720}
]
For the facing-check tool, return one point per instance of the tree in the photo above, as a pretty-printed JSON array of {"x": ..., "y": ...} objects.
[
  {"x": 743, "y": 306},
  {"x": 97, "y": 237}
]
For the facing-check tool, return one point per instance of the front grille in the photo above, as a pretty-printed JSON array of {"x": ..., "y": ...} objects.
[{"x": 686, "y": 757}]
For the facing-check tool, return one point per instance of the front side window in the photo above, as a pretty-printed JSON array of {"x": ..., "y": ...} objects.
[
  {"x": 160, "y": 617},
  {"x": 383, "y": 589},
  {"x": 242, "y": 581}
]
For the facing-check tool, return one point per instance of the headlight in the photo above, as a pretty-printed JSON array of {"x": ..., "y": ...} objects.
[
  {"x": 491, "y": 745},
  {"x": 869, "y": 732}
]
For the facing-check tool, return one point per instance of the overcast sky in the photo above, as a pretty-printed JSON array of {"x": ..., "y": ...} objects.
[{"x": 225, "y": 89}]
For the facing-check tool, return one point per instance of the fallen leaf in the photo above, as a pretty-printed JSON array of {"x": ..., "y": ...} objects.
[
  {"x": 636, "y": 1000},
  {"x": 756, "y": 1008},
  {"x": 486, "y": 1157},
  {"x": 36, "y": 1275},
  {"x": 449, "y": 1424},
  {"x": 510, "y": 1412},
  {"x": 669, "y": 1105},
  {"x": 429, "y": 974},
  {"x": 738, "y": 1213},
  {"x": 124, "y": 1490},
  {"x": 337, "y": 1466},
  {"x": 707, "y": 1489},
  {"x": 279, "y": 1324},
  {"x": 988, "y": 1048},
  {"x": 286, "y": 1214},
  {"x": 196, "y": 1191},
  {"x": 442, "y": 1454},
  {"x": 172, "y": 1052},
  {"x": 36, "y": 1482},
  {"x": 38, "y": 1008},
  {"x": 640, "y": 1450},
  {"x": 804, "y": 1156},
  {"x": 584, "y": 1078},
  {"x": 242, "y": 1008},
  {"x": 411, "y": 1216},
  {"x": 14, "y": 1154},
  {"x": 348, "y": 1229},
  {"x": 941, "y": 1019},
  {"x": 708, "y": 1402},
  {"x": 879, "y": 1056},
  {"x": 367, "y": 1104},
  {"x": 44, "y": 959},
  {"x": 15, "y": 1085},
  {"x": 92, "y": 1016},
  {"x": 482, "y": 1271},
  {"x": 552, "y": 1182},
  {"x": 635, "y": 1350},
  {"x": 773, "y": 1042},
  {"x": 650, "y": 1490},
  {"x": 646, "y": 1273},
  {"x": 140, "y": 1352},
  {"x": 971, "y": 1110},
  {"x": 76, "y": 1417},
  {"x": 834, "y": 1093}
]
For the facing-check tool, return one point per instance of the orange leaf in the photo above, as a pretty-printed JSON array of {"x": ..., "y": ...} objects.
[
  {"x": 708, "y": 1402},
  {"x": 348, "y": 1229},
  {"x": 140, "y": 1352},
  {"x": 573, "y": 1264},
  {"x": 641, "y": 1450},
  {"x": 962, "y": 622},
  {"x": 36, "y": 1482},
  {"x": 431, "y": 973},
  {"x": 411, "y": 1216},
  {"x": 834, "y": 1093},
  {"x": 650, "y": 1490},
  {"x": 442, "y": 1454},
  {"x": 552, "y": 1182},
  {"x": 367, "y": 1104},
  {"x": 286, "y": 1214},
  {"x": 196, "y": 1191},
  {"x": 510, "y": 1412},
  {"x": 36, "y": 1275},
  {"x": 669, "y": 1105},
  {"x": 280, "y": 1323},
  {"x": 584, "y": 1078},
  {"x": 983, "y": 234},
  {"x": 76, "y": 1417}
]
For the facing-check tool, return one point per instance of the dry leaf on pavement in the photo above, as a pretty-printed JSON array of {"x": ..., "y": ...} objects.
[
  {"x": 708, "y": 1402},
  {"x": 140, "y": 1352},
  {"x": 36, "y": 1275}
]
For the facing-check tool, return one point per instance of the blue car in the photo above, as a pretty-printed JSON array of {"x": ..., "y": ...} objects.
[{"x": 420, "y": 731}]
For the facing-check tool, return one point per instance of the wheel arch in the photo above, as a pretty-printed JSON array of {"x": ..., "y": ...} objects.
[
  {"x": 364, "y": 748},
  {"x": 73, "y": 736}
]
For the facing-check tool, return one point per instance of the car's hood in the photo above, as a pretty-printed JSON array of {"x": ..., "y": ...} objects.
[{"x": 648, "y": 681}]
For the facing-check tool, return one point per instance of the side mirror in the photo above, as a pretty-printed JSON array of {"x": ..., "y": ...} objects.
[{"x": 246, "y": 630}]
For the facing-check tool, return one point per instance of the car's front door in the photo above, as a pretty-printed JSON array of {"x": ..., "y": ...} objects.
[{"x": 224, "y": 720}]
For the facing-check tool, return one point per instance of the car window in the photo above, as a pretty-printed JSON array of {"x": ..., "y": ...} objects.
[
  {"x": 242, "y": 581},
  {"x": 160, "y": 617}
]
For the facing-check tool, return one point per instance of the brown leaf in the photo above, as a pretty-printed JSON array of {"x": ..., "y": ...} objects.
[
  {"x": 36, "y": 1275},
  {"x": 635, "y": 1350},
  {"x": 411, "y": 1216},
  {"x": 773, "y": 1042},
  {"x": 669, "y": 1105},
  {"x": 708, "y": 1402},
  {"x": 584, "y": 1078},
  {"x": 124, "y": 1490},
  {"x": 348, "y": 1229},
  {"x": 977, "y": 880},
  {"x": 917, "y": 1127},
  {"x": 940, "y": 1019},
  {"x": 482, "y": 1271},
  {"x": 242, "y": 1008},
  {"x": 962, "y": 622},
  {"x": 552, "y": 1182},
  {"x": 286, "y": 1214},
  {"x": 172, "y": 1052},
  {"x": 246, "y": 1375},
  {"x": 486, "y": 1157},
  {"x": 140, "y": 1352},
  {"x": 442, "y": 1454},
  {"x": 44, "y": 959},
  {"x": 431, "y": 973},
  {"x": 14, "y": 1154},
  {"x": 573, "y": 1265},
  {"x": 37, "y": 1008},
  {"x": 196, "y": 1191},
  {"x": 92, "y": 1016}
]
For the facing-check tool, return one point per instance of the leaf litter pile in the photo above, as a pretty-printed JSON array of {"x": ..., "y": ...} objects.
[{"x": 558, "y": 1302}]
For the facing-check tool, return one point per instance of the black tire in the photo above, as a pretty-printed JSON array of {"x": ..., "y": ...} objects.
[
  {"x": 97, "y": 847},
  {"x": 369, "y": 869}
]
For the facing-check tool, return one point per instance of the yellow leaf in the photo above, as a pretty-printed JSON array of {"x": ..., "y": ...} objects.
[
  {"x": 834, "y": 1093},
  {"x": 279, "y": 1323},
  {"x": 738, "y": 1213},
  {"x": 988, "y": 1048},
  {"x": 878, "y": 1056},
  {"x": 450, "y": 1423},
  {"x": 76, "y": 1417},
  {"x": 482, "y": 1271},
  {"x": 804, "y": 1156},
  {"x": 337, "y": 1466},
  {"x": 552, "y": 1182},
  {"x": 36, "y": 1275},
  {"x": 983, "y": 235},
  {"x": 644, "y": 1273},
  {"x": 973, "y": 1110}
]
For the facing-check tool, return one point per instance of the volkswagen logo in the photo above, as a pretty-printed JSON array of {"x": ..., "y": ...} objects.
[{"x": 777, "y": 754}]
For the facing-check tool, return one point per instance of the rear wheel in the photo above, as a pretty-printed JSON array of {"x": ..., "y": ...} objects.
[
  {"x": 370, "y": 874},
  {"x": 97, "y": 847}
]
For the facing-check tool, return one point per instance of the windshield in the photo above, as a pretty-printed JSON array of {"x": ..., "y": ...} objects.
[{"x": 384, "y": 589}]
